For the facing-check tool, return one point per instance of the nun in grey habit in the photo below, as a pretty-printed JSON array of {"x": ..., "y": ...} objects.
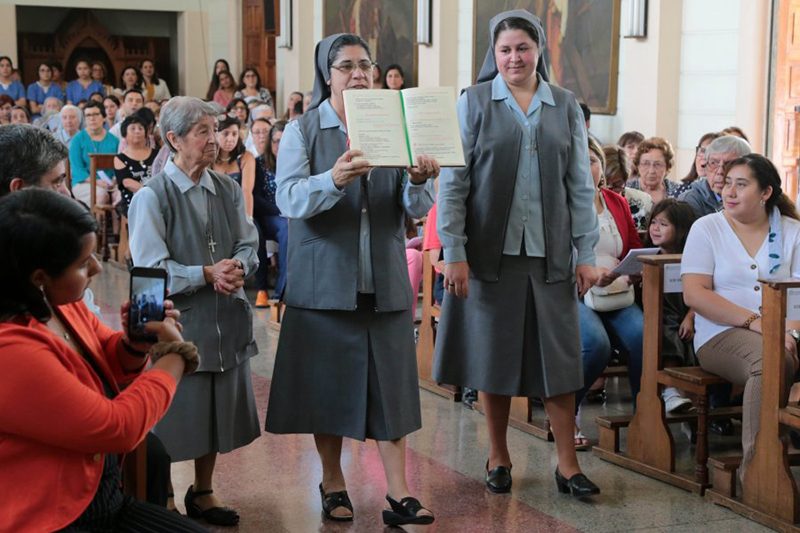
[
  {"x": 513, "y": 225},
  {"x": 346, "y": 364}
]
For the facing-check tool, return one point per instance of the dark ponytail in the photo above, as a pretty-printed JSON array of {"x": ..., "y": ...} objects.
[{"x": 767, "y": 175}]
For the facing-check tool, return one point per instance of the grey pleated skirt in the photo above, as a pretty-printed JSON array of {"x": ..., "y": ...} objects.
[
  {"x": 211, "y": 412},
  {"x": 515, "y": 337},
  {"x": 346, "y": 373}
]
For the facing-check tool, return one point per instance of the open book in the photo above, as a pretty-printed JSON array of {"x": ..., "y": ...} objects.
[{"x": 393, "y": 127}]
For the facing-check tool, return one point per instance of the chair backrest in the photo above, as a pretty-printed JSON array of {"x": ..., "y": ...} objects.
[{"x": 96, "y": 162}]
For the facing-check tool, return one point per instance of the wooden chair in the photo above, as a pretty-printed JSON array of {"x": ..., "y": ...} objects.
[
  {"x": 769, "y": 491},
  {"x": 135, "y": 472},
  {"x": 650, "y": 446},
  {"x": 276, "y": 310},
  {"x": 103, "y": 213},
  {"x": 427, "y": 335},
  {"x": 122, "y": 249}
]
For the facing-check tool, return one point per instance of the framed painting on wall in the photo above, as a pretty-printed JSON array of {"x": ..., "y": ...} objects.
[
  {"x": 582, "y": 50},
  {"x": 388, "y": 27}
]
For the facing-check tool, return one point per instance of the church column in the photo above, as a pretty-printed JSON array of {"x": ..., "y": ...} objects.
[
  {"x": 194, "y": 63},
  {"x": 8, "y": 32},
  {"x": 295, "y": 65},
  {"x": 438, "y": 63}
]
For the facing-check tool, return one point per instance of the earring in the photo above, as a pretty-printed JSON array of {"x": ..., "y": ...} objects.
[{"x": 763, "y": 203}]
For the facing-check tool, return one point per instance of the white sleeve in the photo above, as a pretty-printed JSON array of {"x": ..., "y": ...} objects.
[{"x": 698, "y": 254}]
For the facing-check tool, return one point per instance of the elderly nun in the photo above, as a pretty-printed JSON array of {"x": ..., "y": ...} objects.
[
  {"x": 509, "y": 322},
  {"x": 345, "y": 365},
  {"x": 191, "y": 221}
]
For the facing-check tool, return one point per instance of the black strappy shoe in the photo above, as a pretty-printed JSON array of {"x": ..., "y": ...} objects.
[
  {"x": 406, "y": 511},
  {"x": 218, "y": 516},
  {"x": 332, "y": 501}
]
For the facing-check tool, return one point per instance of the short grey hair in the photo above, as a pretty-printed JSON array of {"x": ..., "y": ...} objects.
[
  {"x": 28, "y": 154},
  {"x": 70, "y": 107},
  {"x": 180, "y": 114},
  {"x": 256, "y": 112},
  {"x": 728, "y": 143}
]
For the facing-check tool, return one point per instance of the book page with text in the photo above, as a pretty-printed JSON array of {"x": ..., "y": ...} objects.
[
  {"x": 432, "y": 124},
  {"x": 375, "y": 125}
]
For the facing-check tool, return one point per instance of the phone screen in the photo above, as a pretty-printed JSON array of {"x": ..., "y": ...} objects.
[{"x": 148, "y": 290}]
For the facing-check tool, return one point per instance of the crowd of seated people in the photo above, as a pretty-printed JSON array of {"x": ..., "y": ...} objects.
[{"x": 723, "y": 208}]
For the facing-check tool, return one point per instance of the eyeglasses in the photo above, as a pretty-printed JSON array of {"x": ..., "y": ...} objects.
[
  {"x": 701, "y": 150},
  {"x": 714, "y": 164},
  {"x": 276, "y": 141},
  {"x": 654, "y": 164},
  {"x": 259, "y": 133},
  {"x": 348, "y": 67},
  {"x": 92, "y": 115}
]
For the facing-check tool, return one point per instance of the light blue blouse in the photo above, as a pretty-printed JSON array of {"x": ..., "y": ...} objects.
[
  {"x": 525, "y": 219},
  {"x": 301, "y": 195}
]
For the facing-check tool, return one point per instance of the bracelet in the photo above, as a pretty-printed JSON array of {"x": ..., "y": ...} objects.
[
  {"x": 752, "y": 318},
  {"x": 187, "y": 350}
]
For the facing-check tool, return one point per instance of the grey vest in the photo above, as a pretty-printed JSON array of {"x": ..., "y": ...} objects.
[
  {"x": 221, "y": 326},
  {"x": 323, "y": 249},
  {"x": 493, "y": 177}
]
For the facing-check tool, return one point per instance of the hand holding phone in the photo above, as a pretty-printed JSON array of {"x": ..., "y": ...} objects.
[{"x": 148, "y": 292}]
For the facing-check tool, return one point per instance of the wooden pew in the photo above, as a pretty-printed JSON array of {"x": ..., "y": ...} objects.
[
  {"x": 769, "y": 491},
  {"x": 427, "y": 335},
  {"x": 104, "y": 213},
  {"x": 650, "y": 445}
]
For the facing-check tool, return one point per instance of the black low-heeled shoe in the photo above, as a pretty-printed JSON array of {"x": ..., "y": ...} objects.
[
  {"x": 498, "y": 479},
  {"x": 406, "y": 511},
  {"x": 332, "y": 501},
  {"x": 578, "y": 485},
  {"x": 218, "y": 516}
]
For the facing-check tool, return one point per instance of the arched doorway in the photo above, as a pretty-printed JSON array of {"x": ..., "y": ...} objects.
[{"x": 91, "y": 51}]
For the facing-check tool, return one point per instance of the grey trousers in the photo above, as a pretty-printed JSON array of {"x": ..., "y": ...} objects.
[{"x": 735, "y": 354}]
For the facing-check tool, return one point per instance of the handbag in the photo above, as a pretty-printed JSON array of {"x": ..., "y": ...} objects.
[{"x": 617, "y": 295}]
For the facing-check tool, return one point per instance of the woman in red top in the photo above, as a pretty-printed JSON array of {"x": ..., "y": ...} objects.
[{"x": 63, "y": 418}]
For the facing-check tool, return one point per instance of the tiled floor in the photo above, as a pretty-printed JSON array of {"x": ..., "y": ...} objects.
[{"x": 273, "y": 482}]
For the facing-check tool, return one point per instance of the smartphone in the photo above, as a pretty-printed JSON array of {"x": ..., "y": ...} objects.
[{"x": 148, "y": 292}]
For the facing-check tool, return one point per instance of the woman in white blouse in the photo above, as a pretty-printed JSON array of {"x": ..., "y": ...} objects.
[{"x": 756, "y": 236}]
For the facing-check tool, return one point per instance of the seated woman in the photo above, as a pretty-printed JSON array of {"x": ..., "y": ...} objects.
[
  {"x": 231, "y": 156},
  {"x": 238, "y": 108},
  {"x": 653, "y": 161},
  {"x": 227, "y": 88},
  {"x": 134, "y": 165},
  {"x": 20, "y": 115},
  {"x": 60, "y": 454},
  {"x": 698, "y": 169},
  {"x": 616, "y": 176},
  {"x": 94, "y": 139},
  {"x": 629, "y": 141},
  {"x": 8, "y": 85},
  {"x": 608, "y": 311},
  {"x": 219, "y": 66},
  {"x": 111, "y": 105},
  {"x": 42, "y": 89},
  {"x": 100, "y": 75},
  {"x": 155, "y": 88},
  {"x": 394, "y": 78},
  {"x": 756, "y": 236},
  {"x": 264, "y": 208},
  {"x": 250, "y": 87},
  {"x": 130, "y": 79},
  {"x": 83, "y": 86}
]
